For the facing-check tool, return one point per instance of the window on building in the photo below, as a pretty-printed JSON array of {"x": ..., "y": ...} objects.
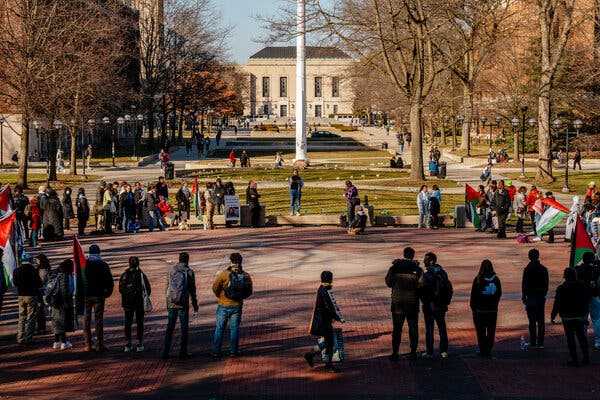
[
  {"x": 335, "y": 109},
  {"x": 283, "y": 86},
  {"x": 318, "y": 86},
  {"x": 266, "y": 86},
  {"x": 318, "y": 111},
  {"x": 266, "y": 109},
  {"x": 335, "y": 86},
  {"x": 283, "y": 111}
]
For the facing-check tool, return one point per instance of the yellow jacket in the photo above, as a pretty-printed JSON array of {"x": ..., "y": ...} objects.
[{"x": 219, "y": 285}]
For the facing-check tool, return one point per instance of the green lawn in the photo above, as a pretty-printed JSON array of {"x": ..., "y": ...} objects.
[
  {"x": 578, "y": 181},
  {"x": 36, "y": 179}
]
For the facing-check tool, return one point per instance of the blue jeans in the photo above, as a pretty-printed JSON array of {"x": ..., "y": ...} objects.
[
  {"x": 233, "y": 315},
  {"x": 184, "y": 320},
  {"x": 295, "y": 197},
  {"x": 595, "y": 316},
  {"x": 33, "y": 241}
]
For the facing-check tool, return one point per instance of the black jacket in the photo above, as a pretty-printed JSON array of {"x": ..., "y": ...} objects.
[
  {"x": 535, "y": 281},
  {"x": 326, "y": 311},
  {"x": 27, "y": 280},
  {"x": 501, "y": 202},
  {"x": 83, "y": 208},
  {"x": 589, "y": 274},
  {"x": 98, "y": 278},
  {"x": 183, "y": 200},
  {"x": 162, "y": 190},
  {"x": 404, "y": 278},
  {"x": 429, "y": 288},
  {"x": 252, "y": 197},
  {"x": 572, "y": 301},
  {"x": 21, "y": 202},
  {"x": 131, "y": 289},
  {"x": 482, "y": 302}
]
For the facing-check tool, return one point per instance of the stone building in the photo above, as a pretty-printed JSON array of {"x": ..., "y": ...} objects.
[{"x": 272, "y": 84}]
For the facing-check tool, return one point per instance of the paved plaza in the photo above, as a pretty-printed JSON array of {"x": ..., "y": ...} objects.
[{"x": 285, "y": 264}]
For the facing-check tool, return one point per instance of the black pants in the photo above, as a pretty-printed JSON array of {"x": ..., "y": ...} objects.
[
  {"x": 108, "y": 220},
  {"x": 139, "y": 322},
  {"x": 502, "y": 225},
  {"x": 576, "y": 162},
  {"x": 398, "y": 319},
  {"x": 255, "y": 216},
  {"x": 536, "y": 308},
  {"x": 328, "y": 336},
  {"x": 435, "y": 220},
  {"x": 435, "y": 317},
  {"x": 81, "y": 224},
  {"x": 532, "y": 215},
  {"x": 520, "y": 224},
  {"x": 576, "y": 328},
  {"x": 485, "y": 325}
]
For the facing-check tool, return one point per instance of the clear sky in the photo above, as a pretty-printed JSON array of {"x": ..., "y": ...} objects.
[{"x": 241, "y": 14}]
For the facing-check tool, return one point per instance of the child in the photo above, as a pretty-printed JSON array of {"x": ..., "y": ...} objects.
[
  {"x": 326, "y": 311},
  {"x": 35, "y": 218},
  {"x": 166, "y": 211}
]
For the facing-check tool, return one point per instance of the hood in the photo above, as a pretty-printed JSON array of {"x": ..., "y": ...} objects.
[
  {"x": 490, "y": 278},
  {"x": 235, "y": 268},
  {"x": 181, "y": 267}
]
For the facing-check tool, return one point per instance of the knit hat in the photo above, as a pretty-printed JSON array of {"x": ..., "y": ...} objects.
[{"x": 94, "y": 249}]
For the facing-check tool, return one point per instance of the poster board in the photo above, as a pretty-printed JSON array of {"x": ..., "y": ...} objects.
[{"x": 232, "y": 209}]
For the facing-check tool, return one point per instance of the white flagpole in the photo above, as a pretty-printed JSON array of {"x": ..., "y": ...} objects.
[{"x": 301, "y": 158}]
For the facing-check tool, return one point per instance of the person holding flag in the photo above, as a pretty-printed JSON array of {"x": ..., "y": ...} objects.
[
  {"x": 553, "y": 213},
  {"x": 28, "y": 283},
  {"x": 472, "y": 202}
]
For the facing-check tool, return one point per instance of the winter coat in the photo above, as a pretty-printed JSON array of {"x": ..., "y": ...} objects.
[
  {"x": 535, "y": 282},
  {"x": 21, "y": 202},
  {"x": 501, "y": 202},
  {"x": 98, "y": 278},
  {"x": 83, "y": 208},
  {"x": 127, "y": 203},
  {"x": 35, "y": 216},
  {"x": 67, "y": 206},
  {"x": 62, "y": 310},
  {"x": 27, "y": 280},
  {"x": 589, "y": 274},
  {"x": 252, "y": 197},
  {"x": 520, "y": 205},
  {"x": 53, "y": 218},
  {"x": 220, "y": 283},
  {"x": 131, "y": 289},
  {"x": 326, "y": 311},
  {"x": 572, "y": 301},
  {"x": 219, "y": 191},
  {"x": 184, "y": 199},
  {"x": 150, "y": 202},
  {"x": 423, "y": 202},
  {"x": 404, "y": 278},
  {"x": 485, "y": 294},
  {"x": 428, "y": 288},
  {"x": 164, "y": 207},
  {"x": 162, "y": 190},
  {"x": 191, "y": 287}
]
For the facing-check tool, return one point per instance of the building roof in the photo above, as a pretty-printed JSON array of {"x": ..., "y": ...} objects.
[{"x": 290, "y": 52}]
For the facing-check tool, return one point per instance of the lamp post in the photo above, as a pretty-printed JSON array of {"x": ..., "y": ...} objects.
[
  {"x": 120, "y": 122},
  {"x": 2, "y": 120},
  {"x": 91, "y": 124},
  {"x": 139, "y": 122},
  {"x": 36, "y": 127},
  {"x": 106, "y": 122},
  {"x": 458, "y": 120},
  {"x": 57, "y": 125}
]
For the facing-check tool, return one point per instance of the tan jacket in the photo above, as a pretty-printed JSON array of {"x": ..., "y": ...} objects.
[{"x": 221, "y": 281}]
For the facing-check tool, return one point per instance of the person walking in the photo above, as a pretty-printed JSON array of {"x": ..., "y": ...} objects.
[
  {"x": 577, "y": 160},
  {"x": 181, "y": 288},
  {"x": 571, "y": 302},
  {"x": 534, "y": 290},
  {"x": 231, "y": 287},
  {"x": 59, "y": 296},
  {"x": 589, "y": 273},
  {"x": 423, "y": 203},
  {"x": 435, "y": 206},
  {"x": 436, "y": 295},
  {"x": 232, "y": 158},
  {"x": 485, "y": 296},
  {"x": 88, "y": 158},
  {"x": 134, "y": 287},
  {"x": 98, "y": 286},
  {"x": 28, "y": 283},
  {"x": 67, "y": 204},
  {"x": 351, "y": 196},
  {"x": 500, "y": 206},
  {"x": 520, "y": 207},
  {"x": 295, "y": 184},
  {"x": 83, "y": 211},
  {"x": 404, "y": 278},
  {"x": 253, "y": 201},
  {"x": 325, "y": 312}
]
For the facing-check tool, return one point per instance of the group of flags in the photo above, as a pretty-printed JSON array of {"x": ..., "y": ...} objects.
[{"x": 552, "y": 213}]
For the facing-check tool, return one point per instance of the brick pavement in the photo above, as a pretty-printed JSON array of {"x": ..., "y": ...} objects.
[{"x": 286, "y": 263}]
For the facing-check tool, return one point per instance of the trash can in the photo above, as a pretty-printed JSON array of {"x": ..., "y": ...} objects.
[
  {"x": 442, "y": 169},
  {"x": 460, "y": 216},
  {"x": 433, "y": 168},
  {"x": 170, "y": 171}
]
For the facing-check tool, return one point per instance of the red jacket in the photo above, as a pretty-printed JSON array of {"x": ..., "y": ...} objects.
[
  {"x": 35, "y": 216},
  {"x": 164, "y": 207},
  {"x": 531, "y": 199}
]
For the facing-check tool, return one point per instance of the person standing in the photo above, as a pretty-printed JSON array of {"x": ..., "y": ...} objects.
[
  {"x": 436, "y": 295},
  {"x": 296, "y": 184},
  {"x": 589, "y": 273},
  {"x": 435, "y": 206},
  {"x": 211, "y": 204},
  {"x": 253, "y": 201},
  {"x": 231, "y": 287},
  {"x": 35, "y": 219},
  {"x": 232, "y": 158},
  {"x": 571, "y": 302},
  {"x": 27, "y": 281},
  {"x": 83, "y": 211},
  {"x": 351, "y": 196},
  {"x": 88, "y": 158},
  {"x": 325, "y": 312},
  {"x": 42, "y": 267},
  {"x": 534, "y": 290},
  {"x": 67, "y": 203},
  {"x": 244, "y": 160},
  {"x": 184, "y": 201},
  {"x": 128, "y": 207},
  {"x": 218, "y": 137},
  {"x": 59, "y": 295},
  {"x": 483, "y": 209},
  {"x": 531, "y": 199},
  {"x": 219, "y": 192},
  {"x": 485, "y": 296},
  {"x": 500, "y": 206},
  {"x": 107, "y": 209},
  {"x": 99, "y": 206},
  {"x": 520, "y": 207},
  {"x": 404, "y": 278},
  {"x": 53, "y": 217},
  {"x": 98, "y": 286},
  {"x": 162, "y": 189},
  {"x": 577, "y": 160},
  {"x": 150, "y": 209},
  {"x": 181, "y": 287},
  {"x": 423, "y": 203},
  {"x": 21, "y": 202},
  {"x": 134, "y": 287}
]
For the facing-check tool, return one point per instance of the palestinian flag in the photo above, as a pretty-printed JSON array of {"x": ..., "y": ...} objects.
[
  {"x": 471, "y": 202},
  {"x": 5, "y": 194},
  {"x": 8, "y": 257},
  {"x": 555, "y": 212},
  {"x": 196, "y": 192},
  {"x": 580, "y": 243},
  {"x": 79, "y": 262}
]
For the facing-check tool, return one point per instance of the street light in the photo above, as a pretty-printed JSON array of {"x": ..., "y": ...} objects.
[
  {"x": 139, "y": 121},
  {"x": 2, "y": 120},
  {"x": 36, "y": 127},
  {"x": 106, "y": 122},
  {"x": 120, "y": 122}
]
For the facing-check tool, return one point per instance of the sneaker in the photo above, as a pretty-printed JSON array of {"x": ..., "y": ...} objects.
[
  {"x": 309, "y": 359},
  {"x": 56, "y": 345},
  {"x": 127, "y": 349},
  {"x": 426, "y": 355},
  {"x": 139, "y": 348},
  {"x": 444, "y": 355},
  {"x": 66, "y": 345}
]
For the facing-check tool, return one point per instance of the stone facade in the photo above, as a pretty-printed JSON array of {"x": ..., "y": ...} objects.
[{"x": 272, "y": 84}]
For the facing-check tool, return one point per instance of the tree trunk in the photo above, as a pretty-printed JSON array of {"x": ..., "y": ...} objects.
[
  {"x": 180, "y": 130},
  {"x": 416, "y": 142},
  {"x": 73, "y": 156},
  {"x": 516, "y": 145},
  {"x": 544, "y": 135},
  {"x": 465, "y": 143},
  {"x": 52, "y": 136},
  {"x": 24, "y": 152}
]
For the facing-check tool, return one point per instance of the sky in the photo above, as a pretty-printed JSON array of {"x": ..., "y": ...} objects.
[{"x": 241, "y": 14}]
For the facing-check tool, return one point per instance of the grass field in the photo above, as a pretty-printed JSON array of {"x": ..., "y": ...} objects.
[
  {"x": 578, "y": 181},
  {"x": 35, "y": 179}
]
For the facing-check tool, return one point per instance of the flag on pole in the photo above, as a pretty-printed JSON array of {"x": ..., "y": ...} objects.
[
  {"x": 471, "y": 202},
  {"x": 555, "y": 212},
  {"x": 79, "y": 263},
  {"x": 8, "y": 257},
  {"x": 5, "y": 198},
  {"x": 581, "y": 243},
  {"x": 196, "y": 191}
]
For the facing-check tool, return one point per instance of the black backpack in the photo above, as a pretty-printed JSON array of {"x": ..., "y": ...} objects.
[
  {"x": 238, "y": 287},
  {"x": 131, "y": 290},
  {"x": 442, "y": 289},
  {"x": 177, "y": 290},
  {"x": 52, "y": 295}
]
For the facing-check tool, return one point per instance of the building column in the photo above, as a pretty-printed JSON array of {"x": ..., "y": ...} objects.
[{"x": 301, "y": 147}]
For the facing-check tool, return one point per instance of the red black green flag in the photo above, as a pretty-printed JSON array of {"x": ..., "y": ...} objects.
[
  {"x": 471, "y": 202},
  {"x": 580, "y": 243}
]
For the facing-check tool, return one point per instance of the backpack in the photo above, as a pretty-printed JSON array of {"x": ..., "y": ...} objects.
[
  {"x": 52, "y": 295},
  {"x": 489, "y": 288},
  {"x": 131, "y": 291},
  {"x": 238, "y": 287},
  {"x": 442, "y": 289},
  {"x": 177, "y": 292}
]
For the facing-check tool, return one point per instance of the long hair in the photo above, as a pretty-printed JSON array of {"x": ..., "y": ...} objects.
[{"x": 486, "y": 270}]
